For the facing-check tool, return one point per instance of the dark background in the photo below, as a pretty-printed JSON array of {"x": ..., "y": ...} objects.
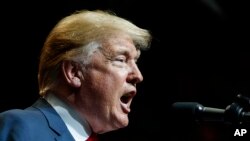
[{"x": 197, "y": 54}]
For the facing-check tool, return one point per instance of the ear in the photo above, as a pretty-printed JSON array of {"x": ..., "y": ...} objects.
[{"x": 71, "y": 73}]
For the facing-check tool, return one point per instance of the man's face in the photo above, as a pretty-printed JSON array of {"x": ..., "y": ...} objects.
[{"x": 109, "y": 84}]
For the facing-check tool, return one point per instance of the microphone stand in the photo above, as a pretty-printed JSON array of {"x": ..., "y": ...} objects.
[{"x": 236, "y": 113}]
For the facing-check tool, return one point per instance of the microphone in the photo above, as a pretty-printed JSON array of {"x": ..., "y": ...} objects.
[
  {"x": 234, "y": 113},
  {"x": 198, "y": 112}
]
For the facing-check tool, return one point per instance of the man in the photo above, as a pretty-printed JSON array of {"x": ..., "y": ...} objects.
[{"x": 87, "y": 80}]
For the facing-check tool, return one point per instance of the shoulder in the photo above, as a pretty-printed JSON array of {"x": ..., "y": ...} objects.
[
  {"x": 21, "y": 118},
  {"x": 32, "y": 114},
  {"x": 18, "y": 114},
  {"x": 20, "y": 124}
]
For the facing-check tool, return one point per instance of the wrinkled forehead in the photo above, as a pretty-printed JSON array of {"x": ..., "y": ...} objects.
[{"x": 121, "y": 44}]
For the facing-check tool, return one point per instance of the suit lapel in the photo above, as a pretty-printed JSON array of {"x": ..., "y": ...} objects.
[
  {"x": 54, "y": 120},
  {"x": 64, "y": 137}
]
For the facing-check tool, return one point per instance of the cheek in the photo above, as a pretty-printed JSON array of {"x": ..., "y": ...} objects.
[
  {"x": 106, "y": 80},
  {"x": 111, "y": 81},
  {"x": 110, "y": 86}
]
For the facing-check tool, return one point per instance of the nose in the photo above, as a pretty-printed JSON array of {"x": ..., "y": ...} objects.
[{"x": 135, "y": 75}]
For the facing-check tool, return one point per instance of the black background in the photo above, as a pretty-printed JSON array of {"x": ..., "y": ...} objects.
[{"x": 197, "y": 54}]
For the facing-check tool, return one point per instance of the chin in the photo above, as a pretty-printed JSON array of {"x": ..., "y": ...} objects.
[{"x": 123, "y": 122}]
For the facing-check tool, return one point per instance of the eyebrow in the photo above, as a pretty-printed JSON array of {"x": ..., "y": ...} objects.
[{"x": 127, "y": 53}]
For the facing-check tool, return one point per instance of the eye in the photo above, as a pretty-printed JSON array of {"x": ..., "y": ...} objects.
[{"x": 121, "y": 59}]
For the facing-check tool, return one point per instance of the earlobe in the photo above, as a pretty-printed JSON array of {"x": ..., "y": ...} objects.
[{"x": 71, "y": 73}]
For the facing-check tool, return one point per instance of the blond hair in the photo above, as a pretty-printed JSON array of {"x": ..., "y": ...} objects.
[{"x": 79, "y": 34}]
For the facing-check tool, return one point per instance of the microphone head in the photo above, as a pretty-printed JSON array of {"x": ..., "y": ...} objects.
[
  {"x": 196, "y": 111},
  {"x": 187, "y": 110}
]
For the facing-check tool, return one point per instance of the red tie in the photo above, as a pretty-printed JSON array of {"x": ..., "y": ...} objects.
[{"x": 93, "y": 137}]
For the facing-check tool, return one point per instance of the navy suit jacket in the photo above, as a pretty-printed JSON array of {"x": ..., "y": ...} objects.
[{"x": 40, "y": 122}]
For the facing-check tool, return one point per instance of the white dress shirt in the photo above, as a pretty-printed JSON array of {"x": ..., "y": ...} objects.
[{"x": 78, "y": 127}]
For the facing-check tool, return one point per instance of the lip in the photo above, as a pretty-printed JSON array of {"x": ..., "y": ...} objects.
[
  {"x": 125, "y": 108},
  {"x": 126, "y": 105}
]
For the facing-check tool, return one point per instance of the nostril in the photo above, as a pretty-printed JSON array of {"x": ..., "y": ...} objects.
[{"x": 134, "y": 81}]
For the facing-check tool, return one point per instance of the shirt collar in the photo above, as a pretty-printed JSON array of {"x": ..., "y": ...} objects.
[{"x": 78, "y": 127}]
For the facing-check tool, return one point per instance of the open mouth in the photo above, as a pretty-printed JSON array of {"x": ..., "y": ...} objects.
[{"x": 126, "y": 98}]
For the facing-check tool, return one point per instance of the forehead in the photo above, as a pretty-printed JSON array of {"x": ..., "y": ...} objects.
[{"x": 120, "y": 43}]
